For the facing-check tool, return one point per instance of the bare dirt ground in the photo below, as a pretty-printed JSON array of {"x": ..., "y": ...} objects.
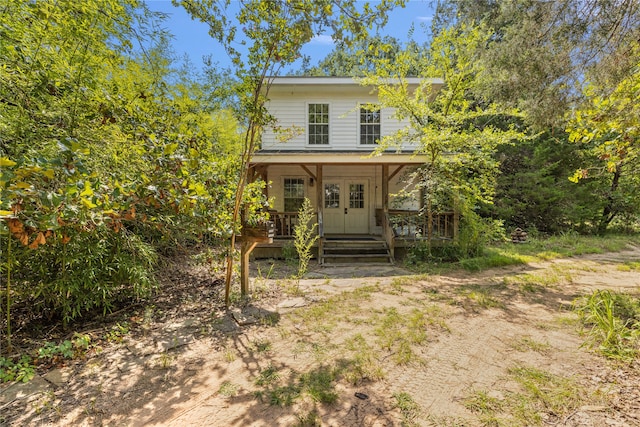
[{"x": 375, "y": 334}]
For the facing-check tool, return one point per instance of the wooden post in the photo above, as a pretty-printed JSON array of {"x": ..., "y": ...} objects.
[
  {"x": 320, "y": 210},
  {"x": 251, "y": 236},
  {"x": 385, "y": 188},
  {"x": 386, "y": 227},
  {"x": 245, "y": 252}
]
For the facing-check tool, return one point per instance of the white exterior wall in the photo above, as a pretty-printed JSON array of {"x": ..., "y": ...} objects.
[{"x": 290, "y": 108}]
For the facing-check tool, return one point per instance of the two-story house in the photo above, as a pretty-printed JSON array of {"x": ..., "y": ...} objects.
[{"x": 327, "y": 128}]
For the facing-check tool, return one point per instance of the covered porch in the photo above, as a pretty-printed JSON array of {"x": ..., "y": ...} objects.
[{"x": 353, "y": 198}]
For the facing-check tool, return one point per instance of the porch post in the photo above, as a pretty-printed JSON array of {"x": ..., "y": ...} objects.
[
  {"x": 386, "y": 227},
  {"x": 385, "y": 189},
  {"x": 264, "y": 175},
  {"x": 320, "y": 210}
]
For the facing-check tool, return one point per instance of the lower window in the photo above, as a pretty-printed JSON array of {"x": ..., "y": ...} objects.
[{"x": 293, "y": 194}]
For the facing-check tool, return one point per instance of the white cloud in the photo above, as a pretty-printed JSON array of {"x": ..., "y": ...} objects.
[
  {"x": 424, "y": 18},
  {"x": 322, "y": 39}
]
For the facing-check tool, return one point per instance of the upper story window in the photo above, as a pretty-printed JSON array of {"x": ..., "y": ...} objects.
[
  {"x": 293, "y": 194},
  {"x": 318, "y": 124},
  {"x": 369, "y": 126}
]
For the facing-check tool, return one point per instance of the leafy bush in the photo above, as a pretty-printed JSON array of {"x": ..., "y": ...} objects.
[
  {"x": 93, "y": 270},
  {"x": 421, "y": 251},
  {"x": 68, "y": 349},
  {"x": 475, "y": 234},
  {"x": 21, "y": 371}
]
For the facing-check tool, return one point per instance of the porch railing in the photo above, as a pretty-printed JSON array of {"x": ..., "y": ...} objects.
[
  {"x": 285, "y": 223},
  {"x": 414, "y": 225}
]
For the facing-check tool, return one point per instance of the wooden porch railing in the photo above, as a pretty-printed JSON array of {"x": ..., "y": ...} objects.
[
  {"x": 285, "y": 223},
  {"x": 414, "y": 225}
]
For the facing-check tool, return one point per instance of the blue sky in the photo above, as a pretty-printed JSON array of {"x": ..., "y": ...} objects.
[{"x": 191, "y": 37}]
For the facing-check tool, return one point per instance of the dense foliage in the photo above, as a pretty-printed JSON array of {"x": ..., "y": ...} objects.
[
  {"x": 571, "y": 67},
  {"x": 103, "y": 162}
]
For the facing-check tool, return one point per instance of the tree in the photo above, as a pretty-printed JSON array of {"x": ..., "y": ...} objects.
[
  {"x": 458, "y": 131},
  {"x": 547, "y": 58},
  {"x": 361, "y": 57},
  {"x": 273, "y": 32},
  {"x": 609, "y": 125},
  {"x": 52, "y": 109},
  {"x": 532, "y": 189},
  {"x": 539, "y": 51}
]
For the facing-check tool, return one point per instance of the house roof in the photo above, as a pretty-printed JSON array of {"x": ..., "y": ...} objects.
[
  {"x": 337, "y": 81},
  {"x": 289, "y": 84}
]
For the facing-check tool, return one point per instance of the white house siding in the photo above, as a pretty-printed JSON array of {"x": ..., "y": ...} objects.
[{"x": 290, "y": 110}]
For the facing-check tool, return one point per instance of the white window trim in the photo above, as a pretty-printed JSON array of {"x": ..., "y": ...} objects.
[
  {"x": 306, "y": 119},
  {"x": 358, "y": 143}
]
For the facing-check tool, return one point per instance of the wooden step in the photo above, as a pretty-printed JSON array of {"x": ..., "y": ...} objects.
[
  {"x": 347, "y": 260},
  {"x": 346, "y": 251},
  {"x": 354, "y": 244},
  {"x": 353, "y": 251}
]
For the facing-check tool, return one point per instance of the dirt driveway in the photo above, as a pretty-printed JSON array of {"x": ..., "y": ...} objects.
[{"x": 354, "y": 347}]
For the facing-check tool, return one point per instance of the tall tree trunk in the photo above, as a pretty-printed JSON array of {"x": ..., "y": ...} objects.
[{"x": 609, "y": 211}]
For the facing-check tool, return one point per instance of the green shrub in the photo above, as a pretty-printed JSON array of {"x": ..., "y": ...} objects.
[
  {"x": 20, "y": 371},
  {"x": 421, "y": 251},
  {"x": 289, "y": 252},
  {"x": 94, "y": 270},
  {"x": 476, "y": 233}
]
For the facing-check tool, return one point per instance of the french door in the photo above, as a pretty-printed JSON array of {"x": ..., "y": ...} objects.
[{"x": 346, "y": 206}]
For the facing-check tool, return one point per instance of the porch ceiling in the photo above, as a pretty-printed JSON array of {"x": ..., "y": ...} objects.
[{"x": 334, "y": 158}]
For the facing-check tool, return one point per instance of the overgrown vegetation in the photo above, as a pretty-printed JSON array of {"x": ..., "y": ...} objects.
[
  {"x": 304, "y": 236},
  {"x": 104, "y": 163},
  {"x": 543, "y": 396},
  {"x": 318, "y": 385},
  {"x": 503, "y": 254},
  {"x": 612, "y": 323},
  {"x": 111, "y": 158},
  {"x": 409, "y": 409}
]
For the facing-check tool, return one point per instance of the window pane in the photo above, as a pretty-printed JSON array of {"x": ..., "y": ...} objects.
[
  {"x": 293, "y": 194},
  {"x": 369, "y": 126},
  {"x": 356, "y": 196},
  {"x": 332, "y": 196},
  {"x": 318, "y": 124},
  {"x": 292, "y": 205}
]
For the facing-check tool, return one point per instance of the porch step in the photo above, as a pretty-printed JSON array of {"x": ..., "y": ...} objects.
[{"x": 355, "y": 251}]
